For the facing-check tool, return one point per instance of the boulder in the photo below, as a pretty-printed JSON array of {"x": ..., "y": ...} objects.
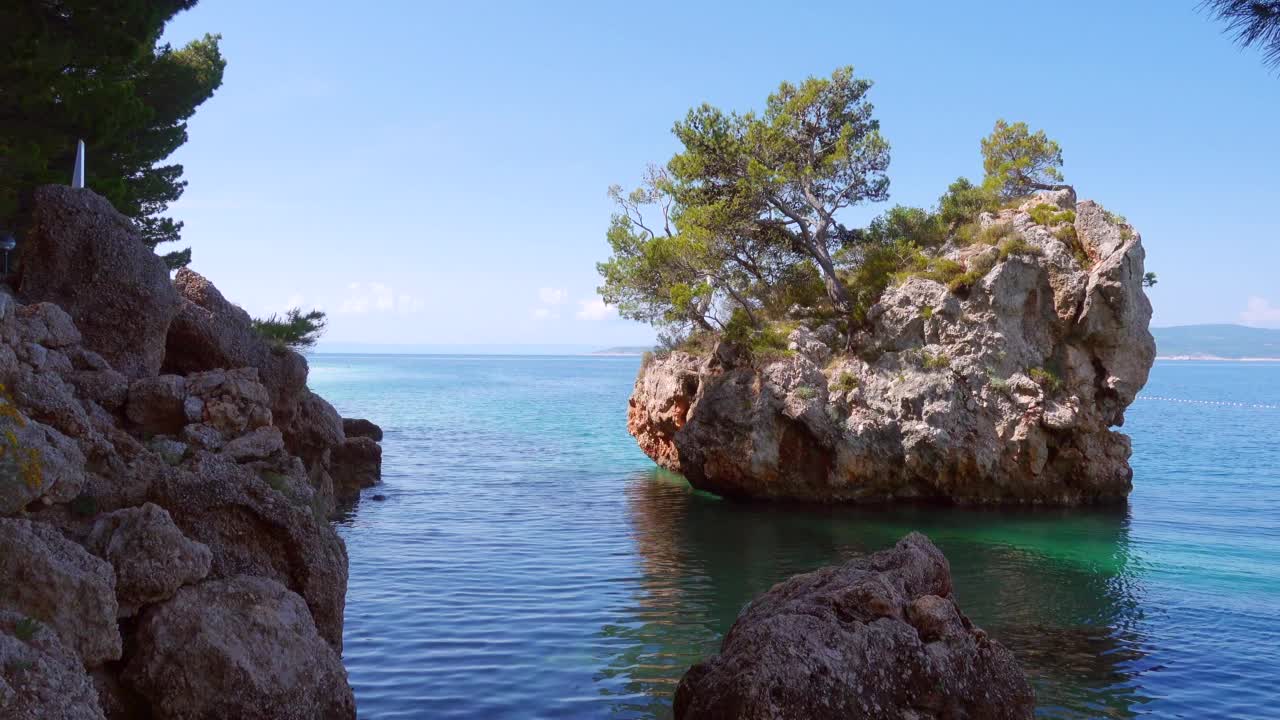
[
  {"x": 89, "y": 260},
  {"x": 209, "y": 333},
  {"x": 359, "y": 427},
  {"x": 53, "y": 580},
  {"x": 240, "y": 647},
  {"x": 356, "y": 464},
  {"x": 1005, "y": 390},
  {"x": 151, "y": 556},
  {"x": 156, "y": 404},
  {"x": 255, "y": 529},
  {"x": 44, "y": 464},
  {"x": 259, "y": 444},
  {"x": 316, "y": 428},
  {"x": 879, "y": 638},
  {"x": 40, "y": 677},
  {"x": 231, "y": 401}
]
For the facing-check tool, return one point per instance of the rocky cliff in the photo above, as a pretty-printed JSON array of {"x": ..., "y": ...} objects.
[
  {"x": 166, "y": 480},
  {"x": 1001, "y": 390}
]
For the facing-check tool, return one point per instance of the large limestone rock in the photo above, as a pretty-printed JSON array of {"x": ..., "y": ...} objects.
[
  {"x": 51, "y": 579},
  {"x": 150, "y": 555},
  {"x": 120, "y": 491},
  {"x": 255, "y": 529},
  {"x": 40, "y": 677},
  {"x": 660, "y": 405},
  {"x": 241, "y": 647},
  {"x": 87, "y": 258},
  {"x": 211, "y": 333},
  {"x": 1006, "y": 391},
  {"x": 880, "y": 638}
]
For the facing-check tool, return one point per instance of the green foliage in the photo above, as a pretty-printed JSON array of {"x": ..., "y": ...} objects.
[
  {"x": 1018, "y": 162},
  {"x": 1046, "y": 378},
  {"x": 1050, "y": 215},
  {"x": 79, "y": 69},
  {"x": 978, "y": 268},
  {"x": 964, "y": 202},
  {"x": 1149, "y": 280},
  {"x": 806, "y": 392},
  {"x": 1017, "y": 245},
  {"x": 938, "y": 269},
  {"x": 926, "y": 312},
  {"x": 744, "y": 216},
  {"x": 930, "y": 361},
  {"x": 847, "y": 382},
  {"x": 1114, "y": 218},
  {"x": 26, "y": 629},
  {"x": 992, "y": 234},
  {"x": 997, "y": 383},
  {"x": 1253, "y": 22},
  {"x": 294, "y": 330}
]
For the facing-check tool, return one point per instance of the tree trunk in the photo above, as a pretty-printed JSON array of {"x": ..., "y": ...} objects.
[{"x": 835, "y": 289}]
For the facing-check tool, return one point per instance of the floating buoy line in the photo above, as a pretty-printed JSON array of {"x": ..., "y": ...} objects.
[{"x": 1220, "y": 403}]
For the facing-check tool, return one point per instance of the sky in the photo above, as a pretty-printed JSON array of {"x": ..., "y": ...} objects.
[{"x": 436, "y": 173}]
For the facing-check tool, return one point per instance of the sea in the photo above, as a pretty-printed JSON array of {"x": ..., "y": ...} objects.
[{"x": 523, "y": 559}]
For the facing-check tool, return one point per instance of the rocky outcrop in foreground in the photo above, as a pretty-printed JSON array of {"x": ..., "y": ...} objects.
[
  {"x": 876, "y": 638},
  {"x": 1004, "y": 390},
  {"x": 166, "y": 480}
]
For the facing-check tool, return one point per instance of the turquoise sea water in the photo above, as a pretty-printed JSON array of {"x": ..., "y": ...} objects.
[{"x": 527, "y": 560}]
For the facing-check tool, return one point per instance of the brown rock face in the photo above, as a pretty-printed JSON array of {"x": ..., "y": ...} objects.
[
  {"x": 210, "y": 333},
  {"x": 660, "y": 405},
  {"x": 164, "y": 544},
  {"x": 150, "y": 555},
  {"x": 1003, "y": 392},
  {"x": 84, "y": 256},
  {"x": 357, "y": 464},
  {"x": 253, "y": 529},
  {"x": 879, "y": 638},
  {"x": 359, "y": 427},
  {"x": 51, "y": 579},
  {"x": 40, "y": 677},
  {"x": 243, "y": 647}
]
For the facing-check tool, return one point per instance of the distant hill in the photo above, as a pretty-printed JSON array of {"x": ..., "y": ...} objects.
[
  {"x": 1216, "y": 341},
  {"x": 624, "y": 350}
]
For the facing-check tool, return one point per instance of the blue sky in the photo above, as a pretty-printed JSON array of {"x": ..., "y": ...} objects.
[{"x": 436, "y": 172}]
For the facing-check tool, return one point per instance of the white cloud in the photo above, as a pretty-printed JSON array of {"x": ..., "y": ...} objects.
[
  {"x": 552, "y": 296},
  {"x": 543, "y": 313},
  {"x": 595, "y": 309},
  {"x": 363, "y": 298},
  {"x": 1260, "y": 312}
]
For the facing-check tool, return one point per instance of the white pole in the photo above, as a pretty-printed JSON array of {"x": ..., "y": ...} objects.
[{"x": 77, "y": 178}]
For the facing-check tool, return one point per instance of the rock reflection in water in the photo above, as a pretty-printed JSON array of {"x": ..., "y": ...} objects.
[{"x": 1059, "y": 588}]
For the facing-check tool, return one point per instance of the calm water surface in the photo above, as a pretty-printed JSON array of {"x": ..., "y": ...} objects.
[{"x": 529, "y": 561}]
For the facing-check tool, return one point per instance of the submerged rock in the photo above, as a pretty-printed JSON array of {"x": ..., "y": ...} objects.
[
  {"x": 1003, "y": 391},
  {"x": 877, "y": 638}
]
